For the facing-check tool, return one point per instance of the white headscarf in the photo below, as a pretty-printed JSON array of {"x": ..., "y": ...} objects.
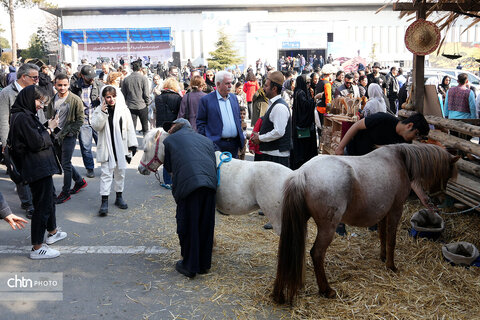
[{"x": 375, "y": 102}]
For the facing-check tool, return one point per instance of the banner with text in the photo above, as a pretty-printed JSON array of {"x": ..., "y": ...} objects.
[{"x": 157, "y": 51}]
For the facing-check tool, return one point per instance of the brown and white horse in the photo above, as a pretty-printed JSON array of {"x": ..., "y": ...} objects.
[{"x": 359, "y": 191}]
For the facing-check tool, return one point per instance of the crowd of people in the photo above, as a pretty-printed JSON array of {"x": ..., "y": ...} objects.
[{"x": 44, "y": 110}]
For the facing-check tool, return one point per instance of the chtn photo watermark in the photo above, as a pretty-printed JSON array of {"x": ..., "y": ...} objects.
[{"x": 31, "y": 286}]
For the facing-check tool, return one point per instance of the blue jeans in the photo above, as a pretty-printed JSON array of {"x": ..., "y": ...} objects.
[
  {"x": 69, "y": 171},
  {"x": 167, "y": 179},
  {"x": 85, "y": 141}
]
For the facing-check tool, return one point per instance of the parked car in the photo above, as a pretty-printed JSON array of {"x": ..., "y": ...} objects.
[{"x": 473, "y": 80}]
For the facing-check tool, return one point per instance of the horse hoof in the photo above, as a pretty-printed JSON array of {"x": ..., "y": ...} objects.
[
  {"x": 329, "y": 293},
  {"x": 393, "y": 268}
]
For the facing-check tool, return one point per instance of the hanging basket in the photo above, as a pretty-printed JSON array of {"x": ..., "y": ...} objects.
[{"x": 452, "y": 56}]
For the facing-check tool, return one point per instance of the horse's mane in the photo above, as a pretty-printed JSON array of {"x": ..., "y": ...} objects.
[
  {"x": 426, "y": 163},
  {"x": 149, "y": 138}
]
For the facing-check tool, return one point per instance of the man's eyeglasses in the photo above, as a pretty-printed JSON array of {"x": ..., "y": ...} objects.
[
  {"x": 33, "y": 77},
  {"x": 348, "y": 82},
  {"x": 43, "y": 103}
]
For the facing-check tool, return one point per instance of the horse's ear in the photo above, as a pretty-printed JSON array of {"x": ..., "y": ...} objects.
[
  {"x": 454, "y": 159},
  {"x": 157, "y": 134}
]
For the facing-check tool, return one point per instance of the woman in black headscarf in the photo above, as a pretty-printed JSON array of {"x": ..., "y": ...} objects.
[
  {"x": 444, "y": 86},
  {"x": 303, "y": 125},
  {"x": 37, "y": 162}
]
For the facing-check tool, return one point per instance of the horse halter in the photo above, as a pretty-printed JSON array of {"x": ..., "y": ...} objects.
[{"x": 155, "y": 158}]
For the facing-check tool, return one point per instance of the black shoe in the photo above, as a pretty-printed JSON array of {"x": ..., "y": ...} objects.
[
  {"x": 203, "y": 271},
  {"x": 119, "y": 202},
  {"x": 26, "y": 206},
  {"x": 260, "y": 213},
  {"x": 180, "y": 268},
  {"x": 103, "y": 207},
  {"x": 373, "y": 228},
  {"x": 268, "y": 226},
  {"x": 29, "y": 214},
  {"x": 62, "y": 197},
  {"x": 78, "y": 186},
  {"x": 90, "y": 173}
]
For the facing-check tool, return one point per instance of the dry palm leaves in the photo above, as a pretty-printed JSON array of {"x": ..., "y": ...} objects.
[{"x": 462, "y": 9}]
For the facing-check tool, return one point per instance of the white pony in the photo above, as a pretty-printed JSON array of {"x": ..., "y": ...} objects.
[{"x": 245, "y": 186}]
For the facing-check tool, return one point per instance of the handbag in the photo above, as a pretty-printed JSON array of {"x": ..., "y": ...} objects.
[
  {"x": 303, "y": 133},
  {"x": 10, "y": 161},
  {"x": 12, "y": 168}
]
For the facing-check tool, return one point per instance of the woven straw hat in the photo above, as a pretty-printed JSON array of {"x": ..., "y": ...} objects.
[{"x": 422, "y": 37}]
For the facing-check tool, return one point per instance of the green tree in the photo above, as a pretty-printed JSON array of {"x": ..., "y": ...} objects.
[
  {"x": 11, "y": 6},
  {"x": 225, "y": 55},
  {"x": 37, "y": 46}
]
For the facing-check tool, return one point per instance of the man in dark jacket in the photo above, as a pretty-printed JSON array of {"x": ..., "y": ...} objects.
[
  {"x": 84, "y": 85},
  {"x": 392, "y": 89},
  {"x": 136, "y": 92},
  {"x": 190, "y": 157}
]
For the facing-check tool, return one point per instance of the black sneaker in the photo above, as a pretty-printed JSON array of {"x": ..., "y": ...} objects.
[
  {"x": 62, "y": 197},
  {"x": 90, "y": 173},
  {"x": 78, "y": 186}
]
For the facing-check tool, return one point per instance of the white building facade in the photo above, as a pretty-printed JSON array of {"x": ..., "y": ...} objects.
[{"x": 265, "y": 31}]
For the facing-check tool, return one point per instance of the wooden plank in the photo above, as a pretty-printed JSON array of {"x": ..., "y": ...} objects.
[
  {"x": 454, "y": 142},
  {"x": 458, "y": 125},
  {"x": 454, "y": 125}
]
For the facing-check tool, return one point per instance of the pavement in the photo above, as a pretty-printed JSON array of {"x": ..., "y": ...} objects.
[{"x": 116, "y": 267}]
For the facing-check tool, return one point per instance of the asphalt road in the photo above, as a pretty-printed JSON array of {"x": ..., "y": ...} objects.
[{"x": 115, "y": 267}]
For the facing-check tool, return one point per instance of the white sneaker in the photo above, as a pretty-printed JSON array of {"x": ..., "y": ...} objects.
[
  {"x": 44, "y": 252},
  {"x": 52, "y": 238}
]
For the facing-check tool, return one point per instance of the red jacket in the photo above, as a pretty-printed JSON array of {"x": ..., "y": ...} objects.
[
  {"x": 250, "y": 87},
  {"x": 252, "y": 146}
]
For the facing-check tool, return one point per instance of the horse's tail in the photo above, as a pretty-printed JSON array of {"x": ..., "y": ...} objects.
[{"x": 291, "y": 249}]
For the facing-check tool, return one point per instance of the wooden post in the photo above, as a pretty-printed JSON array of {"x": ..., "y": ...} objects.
[{"x": 419, "y": 71}]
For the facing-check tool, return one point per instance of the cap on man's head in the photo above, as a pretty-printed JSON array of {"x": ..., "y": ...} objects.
[
  {"x": 276, "y": 77},
  {"x": 88, "y": 72},
  {"x": 84, "y": 61},
  {"x": 376, "y": 65},
  {"x": 167, "y": 125}
]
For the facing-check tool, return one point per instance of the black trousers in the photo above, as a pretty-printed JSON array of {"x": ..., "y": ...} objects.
[
  {"x": 195, "y": 225},
  {"x": 230, "y": 145},
  {"x": 143, "y": 115},
  {"x": 44, "y": 214},
  {"x": 281, "y": 160}
]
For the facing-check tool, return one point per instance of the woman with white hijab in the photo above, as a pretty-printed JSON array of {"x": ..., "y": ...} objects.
[
  {"x": 117, "y": 144},
  {"x": 376, "y": 102}
]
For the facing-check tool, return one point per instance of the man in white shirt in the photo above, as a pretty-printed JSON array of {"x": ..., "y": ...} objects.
[{"x": 275, "y": 136}]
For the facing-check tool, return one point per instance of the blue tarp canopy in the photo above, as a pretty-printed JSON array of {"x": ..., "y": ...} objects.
[{"x": 115, "y": 35}]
